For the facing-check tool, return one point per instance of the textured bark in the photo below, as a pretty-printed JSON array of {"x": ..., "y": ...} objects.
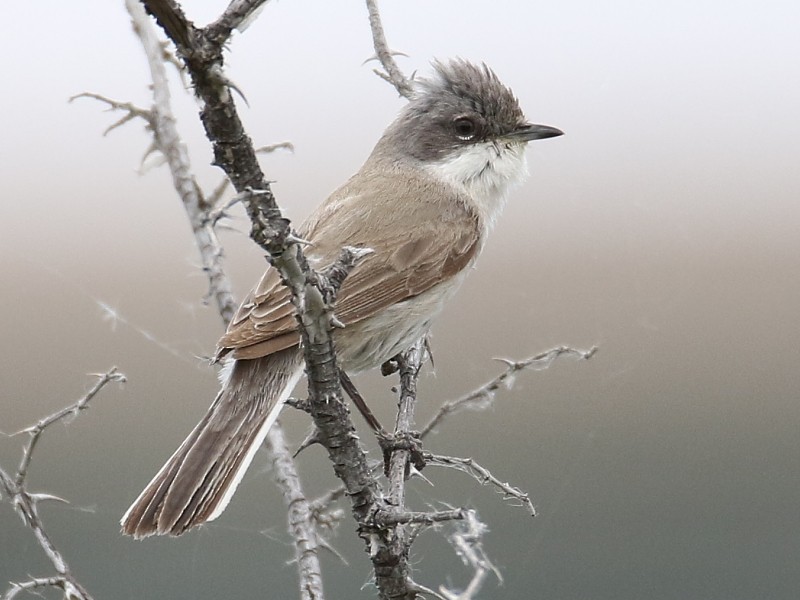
[{"x": 313, "y": 293}]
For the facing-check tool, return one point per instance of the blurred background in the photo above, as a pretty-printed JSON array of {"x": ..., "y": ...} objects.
[{"x": 663, "y": 227}]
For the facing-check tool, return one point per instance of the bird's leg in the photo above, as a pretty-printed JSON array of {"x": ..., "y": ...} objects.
[
  {"x": 361, "y": 405},
  {"x": 390, "y": 367}
]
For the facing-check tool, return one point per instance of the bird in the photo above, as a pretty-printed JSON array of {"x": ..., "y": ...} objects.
[{"x": 424, "y": 203}]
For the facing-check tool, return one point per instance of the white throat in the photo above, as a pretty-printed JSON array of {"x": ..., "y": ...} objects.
[{"x": 486, "y": 172}]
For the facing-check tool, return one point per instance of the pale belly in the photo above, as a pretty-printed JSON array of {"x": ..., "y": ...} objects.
[{"x": 369, "y": 343}]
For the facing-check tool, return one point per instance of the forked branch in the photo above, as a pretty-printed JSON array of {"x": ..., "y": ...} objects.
[{"x": 26, "y": 504}]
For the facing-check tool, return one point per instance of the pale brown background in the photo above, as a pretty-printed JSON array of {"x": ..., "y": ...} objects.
[{"x": 663, "y": 227}]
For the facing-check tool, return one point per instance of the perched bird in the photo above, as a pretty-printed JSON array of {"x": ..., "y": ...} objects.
[{"x": 424, "y": 202}]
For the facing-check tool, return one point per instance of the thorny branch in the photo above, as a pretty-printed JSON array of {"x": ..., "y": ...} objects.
[
  {"x": 132, "y": 111},
  {"x": 483, "y": 476},
  {"x": 485, "y": 393},
  {"x": 391, "y": 557},
  {"x": 26, "y": 504},
  {"x": 392, "y": 72},
  {"x": 202, "y": 53},
  {"x": 304, "y": 534},
  {"x": 467, "y": 541},
  {"x": 238, "y": 15},
  {"x": 168, "y": 142},
  {"x": 387, "y": 528},
  {"x": 203, "y": 216}
]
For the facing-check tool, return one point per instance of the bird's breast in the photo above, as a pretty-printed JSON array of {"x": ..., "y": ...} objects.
[{"x": 371, "y": 342}]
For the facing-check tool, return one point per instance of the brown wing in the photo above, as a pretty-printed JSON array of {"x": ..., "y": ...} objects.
[{"x": 420, "y": 231}]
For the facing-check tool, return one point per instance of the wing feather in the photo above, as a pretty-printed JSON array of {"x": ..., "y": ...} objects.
[{"x": 426, "y": 235}]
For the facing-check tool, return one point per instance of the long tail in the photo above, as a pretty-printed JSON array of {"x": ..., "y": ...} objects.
[{"x": 198, "y": 481}]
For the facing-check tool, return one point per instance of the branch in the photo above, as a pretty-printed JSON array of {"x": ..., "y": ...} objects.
[
  {"x": 170, "y": 16},
  {"x": 483, "y": 476},
  {"x": 238, "y": 15},
  {"x": 392, "y": 74},
  {"x": 132, "y": 110},
  {"x": 468, "y": 543},
  {"x": 409, "y": 363},
  {"x": 390, "y": 560},
  {"x": 200, "y": 213},
  {"x": 37, "y": 583},
  {"x": 168, "y": 141},
  {"x": 423, "y": 518},
  {"x": 26, "y": 504},
  {"x": 303, "y": 532},
  {"x": 485, "y": 393},
  {"x": 35, "y": 431},
  {"x": 311, "y": 294}
]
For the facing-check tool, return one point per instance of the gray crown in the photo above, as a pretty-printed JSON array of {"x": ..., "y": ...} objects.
[{"x": 426, "y": 129}]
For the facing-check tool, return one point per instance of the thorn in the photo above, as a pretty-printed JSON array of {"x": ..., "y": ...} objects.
[
  {"x": 592, "y": 351},
  {"x": 311, "y": 439},
  {"x": 421, "y": 589},
  {"x": 45, "y": 496},
  {"x": 292, "y": 238},
  {"x": 322, "y": 543},
  {"x": 429, "y": 350},
  {"x": 336, "y": 323},
  {"x": 250, "y": 191},
  {"x": 28, "y": 430},
  {"x": 217, "y": 72},
  {"x": 278, "y": 146},
  {"x": 299, "y": 404},
  {"x": 414, "y": 472},
  {"x": 391, "y": 53},
  {"x": 359, "y": 253},
  {"x": 507, "y": 362}
]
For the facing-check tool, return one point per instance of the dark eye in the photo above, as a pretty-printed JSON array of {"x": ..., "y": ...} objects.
[{"x": 465, "y": 128}]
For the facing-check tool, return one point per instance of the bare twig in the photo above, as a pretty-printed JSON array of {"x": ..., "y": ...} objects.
[
  {"x": 468, "y": 543},
  {"x": 485, "y": 393},
  {"x": 482, "y": 475},
  {"x": 132, "y": 111},
  {"x": 410, "y": 362},
  {"x": 168, "y": 141},
  {"x": 392, "y": 74},
  {"x": 304, "y": 534},
  {"x": 26, "y": 504},
  {"x": 424, "y": 518},
  {"x": 390, "y": 560},
  {"x": 71, "y": 411},
  {"x": 215, "y": 197},
  {"x": 36, "y": 583},
  {"x": 238, "y": 15}
]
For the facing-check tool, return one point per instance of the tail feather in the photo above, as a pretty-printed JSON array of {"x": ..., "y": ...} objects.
[{"x": 198, "y": 481}]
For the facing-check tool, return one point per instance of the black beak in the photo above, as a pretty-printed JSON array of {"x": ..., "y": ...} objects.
[{"x": 529, "y": 132}]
